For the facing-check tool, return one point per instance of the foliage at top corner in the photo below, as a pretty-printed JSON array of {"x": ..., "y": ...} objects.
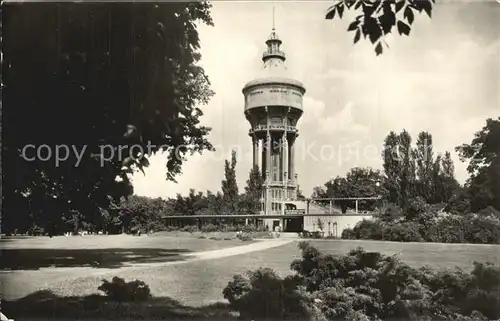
[{"x": 377, "y": 18}]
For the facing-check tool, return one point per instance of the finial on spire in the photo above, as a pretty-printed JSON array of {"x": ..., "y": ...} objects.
[{"x": 273, "y": 18}]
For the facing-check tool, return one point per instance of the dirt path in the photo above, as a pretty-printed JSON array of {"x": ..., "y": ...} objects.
[{"x": 236, "y": 250}]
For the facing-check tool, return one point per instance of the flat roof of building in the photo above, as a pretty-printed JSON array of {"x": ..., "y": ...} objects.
[{"x": 260, "y": 216}]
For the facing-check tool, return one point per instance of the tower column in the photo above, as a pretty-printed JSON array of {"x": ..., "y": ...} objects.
[
  {"x": 285, "y": 165},
  {"x": 255, "y": 142},
  {"x": 284, "y": 145},
  {"x": 267, "y": 147},
  {"x": 263, "y": 160},
  {"x": 292, "y": 160}
]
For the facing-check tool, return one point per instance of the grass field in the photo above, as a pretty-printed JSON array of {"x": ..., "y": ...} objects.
[
  {"x": 194, "y": 283},
  {"x": 31, "y": 260},
  {"x": 99, "y": 251}
]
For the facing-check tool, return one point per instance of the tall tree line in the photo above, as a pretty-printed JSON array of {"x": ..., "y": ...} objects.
[
  {"x": 416, "y": 171},
  {"x": 409, "y": 171}
]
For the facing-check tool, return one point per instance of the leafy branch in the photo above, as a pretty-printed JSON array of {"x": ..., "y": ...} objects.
[{"x": 377, "y": 18}]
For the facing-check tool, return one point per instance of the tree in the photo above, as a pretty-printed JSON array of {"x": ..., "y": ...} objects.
[
  {"x": 337, "y": 188},
  {"x": 138, "y": 213},
  {"x": 483, "y": 155},
  {"x": 229, "y": 184},
  {"x": 377, "y": 18},
  {"x": 197, "y": 202},
  {"x": 412, "y": 172},
  {"x": 392, "y": 164},
  {"x": 215, "y": 203},
  {"x": 424, "y": 158},
  {"x": 359, "y": 182},
  {"x": 451, "y": 187},
  {"x": 135, "y": 212},
  {"x": 105, "y": 75},
  {"x": 444, "y": 184},
  {"x": 362, "y": 182},
  {"x": 407, "y": 170},
  {"x": 253, "y": 190}
]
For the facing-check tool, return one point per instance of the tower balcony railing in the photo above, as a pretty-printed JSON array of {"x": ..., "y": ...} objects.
[
  {"x": 257, "y": 128},
  {"x": 270, "y": 53},
  {"x": 280, "y": 183}
]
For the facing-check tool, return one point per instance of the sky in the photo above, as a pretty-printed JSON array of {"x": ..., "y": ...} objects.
[{"x": 444, "y": 78}]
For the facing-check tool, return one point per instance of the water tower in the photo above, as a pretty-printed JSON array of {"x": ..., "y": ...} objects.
[{"x": 273, "y": 106}]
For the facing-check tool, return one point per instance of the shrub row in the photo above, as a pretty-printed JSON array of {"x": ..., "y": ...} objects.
[
  {"x": 365, "y": 286},
  {"x": 208, "y": 228},
  {"x": 450, "y": 229}
]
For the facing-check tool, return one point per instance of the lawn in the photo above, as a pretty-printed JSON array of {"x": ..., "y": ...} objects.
[
  {"x": 436, "y": 255},
  {"x": 99, "y": 251},
  {"x": 201, "y": 282},
  {"x": 31, "y": 259}
]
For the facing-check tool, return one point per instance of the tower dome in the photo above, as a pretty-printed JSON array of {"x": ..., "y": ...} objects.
[{"x": 274, "y": 68}]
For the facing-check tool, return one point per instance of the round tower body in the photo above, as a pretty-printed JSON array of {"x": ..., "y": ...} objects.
[{"x": 273, "y": 107}]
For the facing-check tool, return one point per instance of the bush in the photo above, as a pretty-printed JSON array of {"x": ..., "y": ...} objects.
[
  {"x": 252, "y": 228},
  {"x": 483, "y": 230},
  {"x": 467, "y": 228},
  {"x": 390, "y": 213},
  {"x": 305, "y": 234},
  {"x": 423, "y": 223},
  {"x": 312, "y": 235},
  {"x": 490, "y": 211},
  {"x": 190, "y": 228},
  {"x": 263, "y": 295},
  {"x": 474, "y": 294},
  {"x": 369, "y": 230},
  {"x": 366, "y": 286},
  {"x": 402, "y": 232},
  {"x": 349, "y": 234},
  {"x": 244, "y": 236},
  {"x": 121, "y": 291},
  {"x": 416, "y": 207},
  {"x": 209, "y": 228},
  {"x": 459, "y": 203}
]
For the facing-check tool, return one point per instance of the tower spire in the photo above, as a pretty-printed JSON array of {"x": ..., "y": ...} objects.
[
  {"x": 273, "y": 18},
  {"x": 273, "y": 46}
]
